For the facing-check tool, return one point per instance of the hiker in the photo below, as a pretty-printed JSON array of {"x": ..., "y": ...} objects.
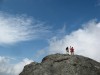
[
  {"x": 67, "y": 50},
  {"x": 71, "y": 50}
]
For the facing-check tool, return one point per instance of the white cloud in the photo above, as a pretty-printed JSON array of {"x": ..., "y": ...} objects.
[
  {"x": 85, "y": 41},
  {"x": 17, "y": 28},
  {"x": 6, "y": 68}
]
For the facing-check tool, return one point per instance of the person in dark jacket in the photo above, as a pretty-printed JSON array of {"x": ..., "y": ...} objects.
[{"x": 67, "y": 50}]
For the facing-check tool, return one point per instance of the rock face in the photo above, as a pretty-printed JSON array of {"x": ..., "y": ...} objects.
[{"x": 62, "y": 64}]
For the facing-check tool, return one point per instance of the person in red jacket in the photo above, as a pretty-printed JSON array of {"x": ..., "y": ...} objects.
[{"x": 71, "y": 50}]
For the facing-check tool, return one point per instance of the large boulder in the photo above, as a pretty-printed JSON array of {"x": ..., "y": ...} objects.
[{"x": 63, "y": 64}]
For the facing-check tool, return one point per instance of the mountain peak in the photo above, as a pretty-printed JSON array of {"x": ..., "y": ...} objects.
[{"x": 63, "y": 64}]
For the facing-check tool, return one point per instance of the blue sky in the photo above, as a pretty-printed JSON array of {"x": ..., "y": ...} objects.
[{"x": 31, "y": 28}]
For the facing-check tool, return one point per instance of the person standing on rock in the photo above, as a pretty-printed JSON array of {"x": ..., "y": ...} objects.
[
  {"x": 67, "y": 50},
  {"x": 71, "y": 50}
]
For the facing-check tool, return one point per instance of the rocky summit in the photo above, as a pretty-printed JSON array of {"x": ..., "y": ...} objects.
[{"x": 63, "y": 64}]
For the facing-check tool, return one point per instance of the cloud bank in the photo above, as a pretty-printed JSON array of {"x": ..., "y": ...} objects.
[
  {"x": 18, "y": 28},
  {"x": 85, "y": 41},
  {"x": 6, "y": 68}
]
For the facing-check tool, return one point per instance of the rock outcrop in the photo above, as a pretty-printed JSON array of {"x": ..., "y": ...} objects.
[{"x": 62, "y": 64}]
